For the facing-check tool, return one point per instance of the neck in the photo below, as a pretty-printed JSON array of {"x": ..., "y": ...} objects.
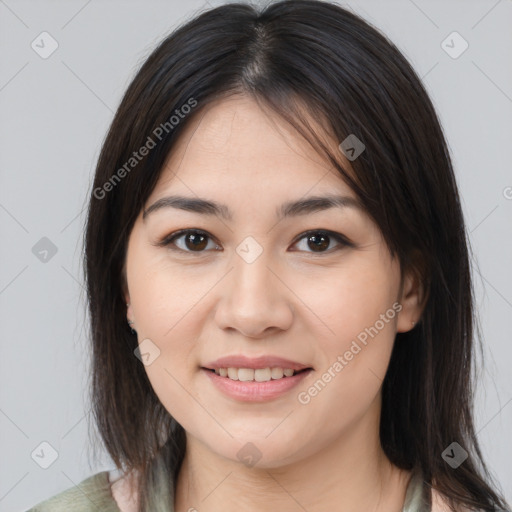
[{"x": 350, "y": 472}]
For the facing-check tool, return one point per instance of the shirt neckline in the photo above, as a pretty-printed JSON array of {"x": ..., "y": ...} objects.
[{"x": 416, "y": 499}]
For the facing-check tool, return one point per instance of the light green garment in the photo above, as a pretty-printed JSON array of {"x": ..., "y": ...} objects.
[
  {"x": 91, "y": 495},
  {"x": 417, "y": 498},
  {"x": 94, "y": 495}
]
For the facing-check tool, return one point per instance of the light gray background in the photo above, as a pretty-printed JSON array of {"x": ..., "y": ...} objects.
[{"x": 54, "y": 115}]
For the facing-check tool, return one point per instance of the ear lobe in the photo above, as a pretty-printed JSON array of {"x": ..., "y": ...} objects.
[
  {"x": 129, "y": 313},
  {"x": 413, "y": 297},
  {"x": 124, "y": 286}
]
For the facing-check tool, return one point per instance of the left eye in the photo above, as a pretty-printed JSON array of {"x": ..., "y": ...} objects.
[
  {"x": 192, "y": 240},
  {"x": 320, "y": 240}
]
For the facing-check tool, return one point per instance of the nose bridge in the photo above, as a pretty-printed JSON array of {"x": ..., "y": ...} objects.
[
  {"x": 255, "y": 299},
  {"x": 252, "y": 278}
]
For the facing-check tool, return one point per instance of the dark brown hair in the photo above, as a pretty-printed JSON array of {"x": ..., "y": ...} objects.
[{"x": 303, "y": 59}]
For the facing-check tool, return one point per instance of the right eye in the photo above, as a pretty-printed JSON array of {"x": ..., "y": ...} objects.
[{"x": 191, "y": 240}]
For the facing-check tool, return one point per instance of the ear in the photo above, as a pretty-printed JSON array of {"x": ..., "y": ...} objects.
[
  {"x": 125, "y": 293},
  {"x": 412, "y": 296},
  {"x": 129, "y": 312}
]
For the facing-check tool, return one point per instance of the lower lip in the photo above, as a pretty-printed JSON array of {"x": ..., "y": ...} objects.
[{"x": 253, "y": 391}]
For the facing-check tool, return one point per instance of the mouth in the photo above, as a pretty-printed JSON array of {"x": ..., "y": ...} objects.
[
  {"x": 255, "y": 379},
  {"x": 256, "y": 374}
]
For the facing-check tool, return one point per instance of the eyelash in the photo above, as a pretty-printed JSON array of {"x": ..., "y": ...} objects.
[{"x": 169, "y": 240}]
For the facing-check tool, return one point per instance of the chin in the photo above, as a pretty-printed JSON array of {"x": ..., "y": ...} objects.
[{"x": 258, "y": 451}]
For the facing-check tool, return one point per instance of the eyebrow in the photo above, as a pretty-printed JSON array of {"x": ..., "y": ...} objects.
[{"x": 305, "y": 206}]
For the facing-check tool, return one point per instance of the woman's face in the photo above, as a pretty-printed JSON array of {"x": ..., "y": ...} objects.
[{"x": 253, "y": 283}]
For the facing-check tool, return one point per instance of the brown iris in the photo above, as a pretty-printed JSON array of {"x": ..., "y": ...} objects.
[
  {"x": 320, "y": 242},
  {"x": 196, "y": 241}
]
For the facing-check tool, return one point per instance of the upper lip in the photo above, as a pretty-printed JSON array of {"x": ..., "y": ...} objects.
[{"x": 267, "y": 361}]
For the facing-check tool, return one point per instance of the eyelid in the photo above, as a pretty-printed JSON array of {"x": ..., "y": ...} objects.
[
  {"x": 342, "y": 240},
  {"x": 168, "y": 240}
]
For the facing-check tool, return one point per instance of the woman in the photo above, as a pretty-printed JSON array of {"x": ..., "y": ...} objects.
[{"x": 278, "y": 278}]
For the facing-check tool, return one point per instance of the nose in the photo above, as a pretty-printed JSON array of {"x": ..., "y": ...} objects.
[{"x": 255, "y": 300}]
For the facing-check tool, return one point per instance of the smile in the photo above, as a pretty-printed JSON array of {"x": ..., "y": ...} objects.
[
  {"x": 248, "y": 388},
  {"x": 258, "y": 374}
]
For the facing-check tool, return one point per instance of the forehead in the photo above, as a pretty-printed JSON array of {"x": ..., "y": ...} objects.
[{"x": 233, "y": 143}]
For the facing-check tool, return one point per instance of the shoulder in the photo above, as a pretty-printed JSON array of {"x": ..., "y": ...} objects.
[
  {"x": 421, "y": 496},
  {"x": 438, "y": 503},
  {"x": 124, "y": 492},
  {"x": 90, "y": 495}
]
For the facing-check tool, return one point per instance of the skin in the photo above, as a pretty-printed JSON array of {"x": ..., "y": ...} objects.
[{"x": 291, "y": 301}]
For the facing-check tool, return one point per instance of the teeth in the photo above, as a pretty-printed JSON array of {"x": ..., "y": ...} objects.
[
  {"x": 233, "y": 373},
  {"x": 258, "y": 375},
  {"x": 262, "y": 375},
  {"x": 277, "y": 373},
  {"x": 245, "y": 374}
]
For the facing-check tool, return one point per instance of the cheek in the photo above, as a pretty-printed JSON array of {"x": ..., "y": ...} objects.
[
  {"x": 351, "y": 298},
  {"x": 164, "y": 297},
  {"x": 357, "y": 312},
  {"x": 165, "y": 303}
]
